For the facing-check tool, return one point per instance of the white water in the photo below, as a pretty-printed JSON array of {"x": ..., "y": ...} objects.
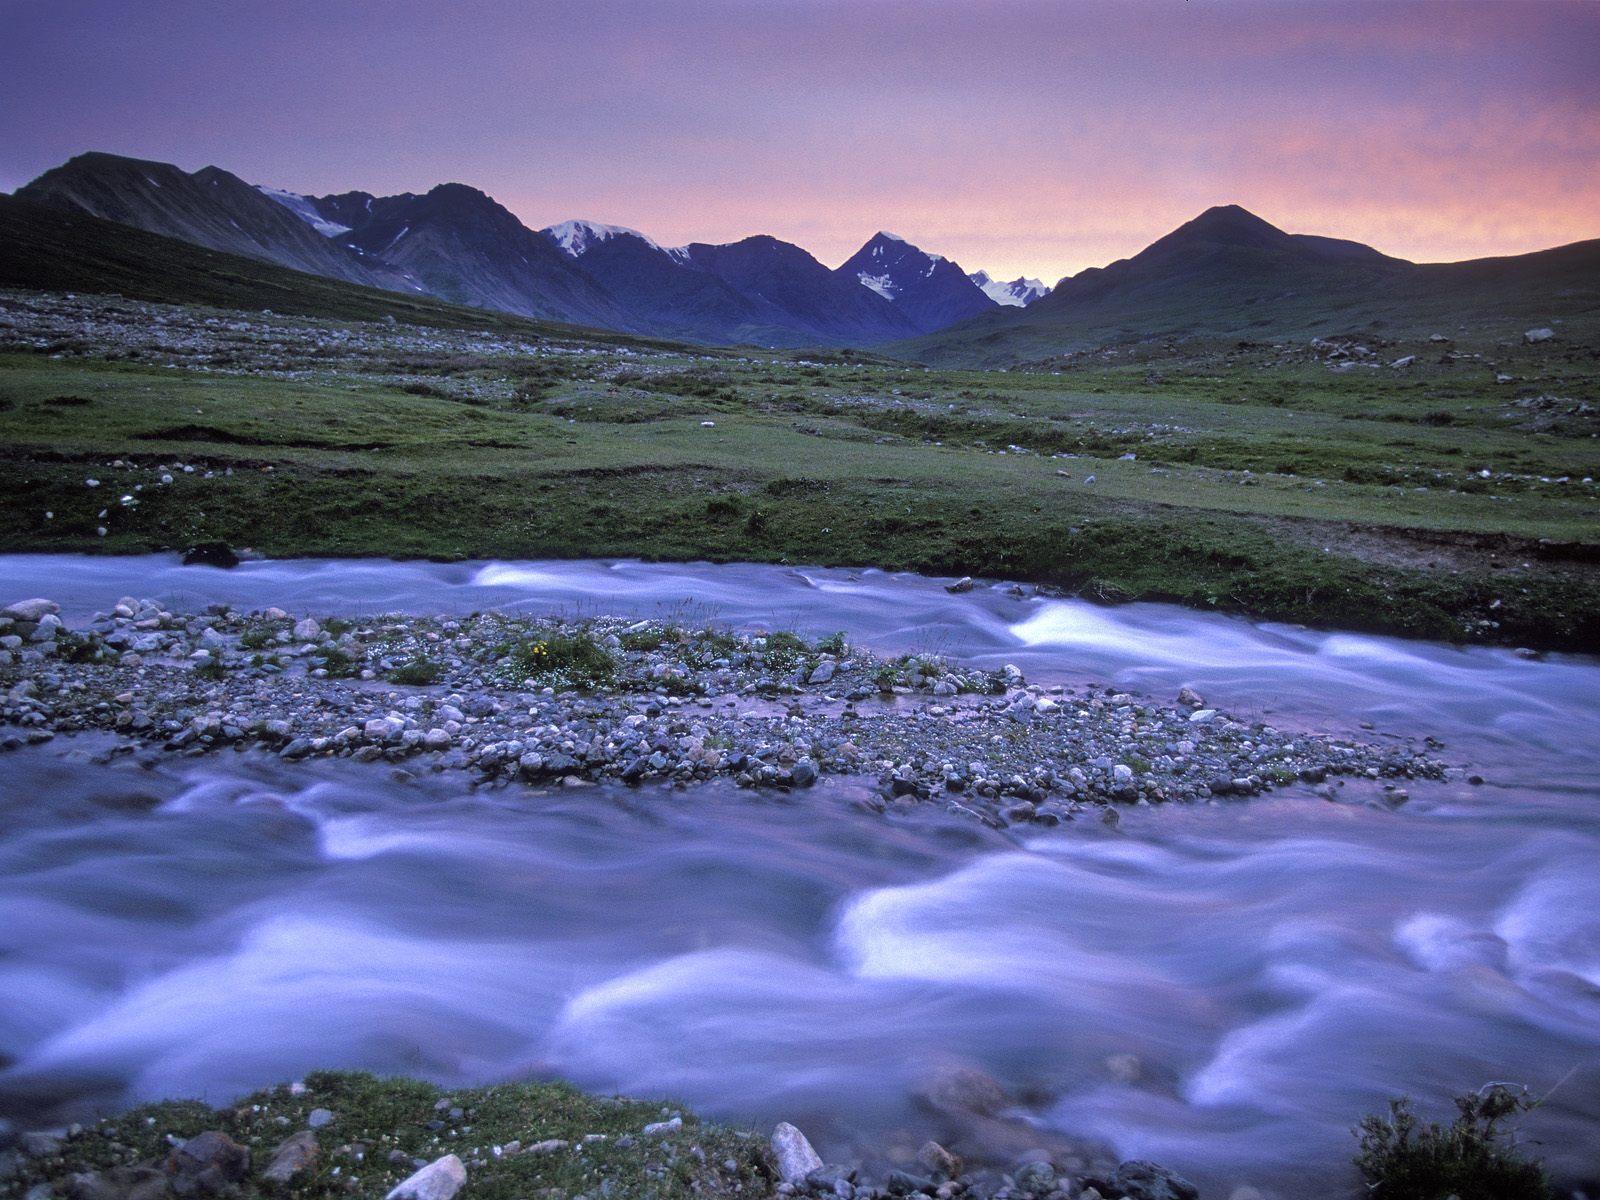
[{"x": 1224, "y": 989}]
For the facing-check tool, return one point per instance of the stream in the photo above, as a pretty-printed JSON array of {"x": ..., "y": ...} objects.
[{"x": 1223, "y": 988}]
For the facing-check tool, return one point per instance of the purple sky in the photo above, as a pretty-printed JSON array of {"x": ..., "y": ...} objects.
[{"x": 1024, "y": 136}]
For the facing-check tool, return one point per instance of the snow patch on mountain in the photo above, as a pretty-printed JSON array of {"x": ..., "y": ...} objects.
[
  {"x": 575, "y": 237},
  {"x": 1018, "y": 293},
  {"x": 882, "y": 284},
  {"x": 302, "y": 207}
]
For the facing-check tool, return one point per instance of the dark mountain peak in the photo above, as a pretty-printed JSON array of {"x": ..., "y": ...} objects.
[
  {"x": 1227, "y": 224},
  {"x": 929, "y": 289}
]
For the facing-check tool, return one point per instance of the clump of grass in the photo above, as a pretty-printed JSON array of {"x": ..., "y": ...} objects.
[
  {"x": 211, "y": 669},
  {"x": 339, "y": 664},
  {"x": 785, "y": 651},
  {"x": 257, "y": 637},
  {"x": 1402, "y": 1158},
  {"x": 418, "y": 672},
  {"x": 572, "y": 660}
]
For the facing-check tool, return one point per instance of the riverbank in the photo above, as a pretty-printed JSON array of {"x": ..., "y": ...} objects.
[{"x": 536, "y": 701}]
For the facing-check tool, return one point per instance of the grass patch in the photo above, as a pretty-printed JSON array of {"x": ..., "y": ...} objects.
[
  {"x": 561, "y": 660},
  {"x": 419, "y": 672},
  {"x": 380, "y": 1126}
]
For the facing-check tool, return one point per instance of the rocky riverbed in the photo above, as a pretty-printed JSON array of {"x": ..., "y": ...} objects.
[{"x": 542, "y": 702}]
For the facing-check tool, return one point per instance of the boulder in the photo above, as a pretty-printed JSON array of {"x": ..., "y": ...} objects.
[
  {"x": 796, "y": 1158},
  {"x": 292, "y": 1156},
  {"x": 30, "y": 610},
  {"x": 1534, "y": 336}
]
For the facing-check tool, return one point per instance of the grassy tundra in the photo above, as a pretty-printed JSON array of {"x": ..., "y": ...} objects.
[{"x": 1452, "y": 497}]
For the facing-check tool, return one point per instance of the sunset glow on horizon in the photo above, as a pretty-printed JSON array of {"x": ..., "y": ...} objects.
[{"x": 1024, "y": 137}]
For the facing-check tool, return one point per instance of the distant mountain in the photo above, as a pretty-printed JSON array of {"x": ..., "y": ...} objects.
[
  {"x": 208, "y": 208},
  {"x": 758, "y": 290},
  {"x": 62, "y": 250},
  {"x": 802, "y": 293},
  {"x": 1019, "y": 293},
  {"x": 1230, "y": 273},
  {"x": 464, "y": 247},
  {"x": 661, "y": 291},
  {"x": 930, "y": 290}
]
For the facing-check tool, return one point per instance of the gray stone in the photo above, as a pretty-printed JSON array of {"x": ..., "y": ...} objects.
[
  {"x": 660, "y": 1127},
  {"x": 822, "y": 672},
  {"x": 1533, "y": 336},
  {"x": 30, "y": 610},
  {"x": 306, "y": 630},
  {"x": 292, "y": 1156},
  {"x": 319, "y": 1118},
  {"x": 804, "y": 773},
  {"x": 439, "y": 1180},
  {"x": 796, "y": 1158},
  {"x": 964, "y": 584},
  {"x": 938, "y": 1161}
]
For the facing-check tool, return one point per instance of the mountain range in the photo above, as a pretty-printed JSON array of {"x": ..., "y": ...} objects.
[
  {"x": 1227, "y": 273},
  {"x": 457, "y": 244}
]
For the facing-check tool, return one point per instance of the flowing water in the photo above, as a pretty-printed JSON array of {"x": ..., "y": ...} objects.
[{"x": 1223, "y": 988}]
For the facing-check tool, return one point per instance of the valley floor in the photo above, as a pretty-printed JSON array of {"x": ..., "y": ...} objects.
[{"x": 1451, "y": 498}]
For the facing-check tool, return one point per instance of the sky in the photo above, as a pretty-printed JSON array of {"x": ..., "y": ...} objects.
[{"x": 1032, "y": 137}]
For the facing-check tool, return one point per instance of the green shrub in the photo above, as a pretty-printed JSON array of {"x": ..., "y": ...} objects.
[
  {"x": 1401, "y": 1158},
  {"x": 573, "y": 660},
  {"x": 416, "y": 673}
]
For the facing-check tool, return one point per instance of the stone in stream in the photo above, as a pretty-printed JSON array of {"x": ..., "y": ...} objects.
[
  {"x": 964, "y": 584},
  {"x": 1140, "y": 1179},
  {"x": 439, "y": 1180},
  {"x": 796, "y": 1158},
  {"x": 939, "y": 1162}
]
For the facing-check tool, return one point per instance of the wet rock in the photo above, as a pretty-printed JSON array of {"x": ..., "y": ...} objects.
[
  {"x": 293, "y": 1155},
  {"x": 439, "y": 1180},
  {"x": 796, "y": 1158},
  {"x": 964, "y": 584},
  {"x": 904, "y": 1183},
  {"x": 964, "y": 1090},
  {"x": 938, "y": 1161},
  {"x": 1143, "y": 1180},
  {"x": 1036, "y": 1178},
  {"x": 211, "y": 554},
  {"x": 1190, "y": 698}
]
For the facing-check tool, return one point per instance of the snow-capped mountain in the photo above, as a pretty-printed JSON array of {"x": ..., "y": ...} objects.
[
  {"x": 930, "y": 290},
  {"x": 576, "y": 237},
  {"x": 1019, "y": 293}
]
